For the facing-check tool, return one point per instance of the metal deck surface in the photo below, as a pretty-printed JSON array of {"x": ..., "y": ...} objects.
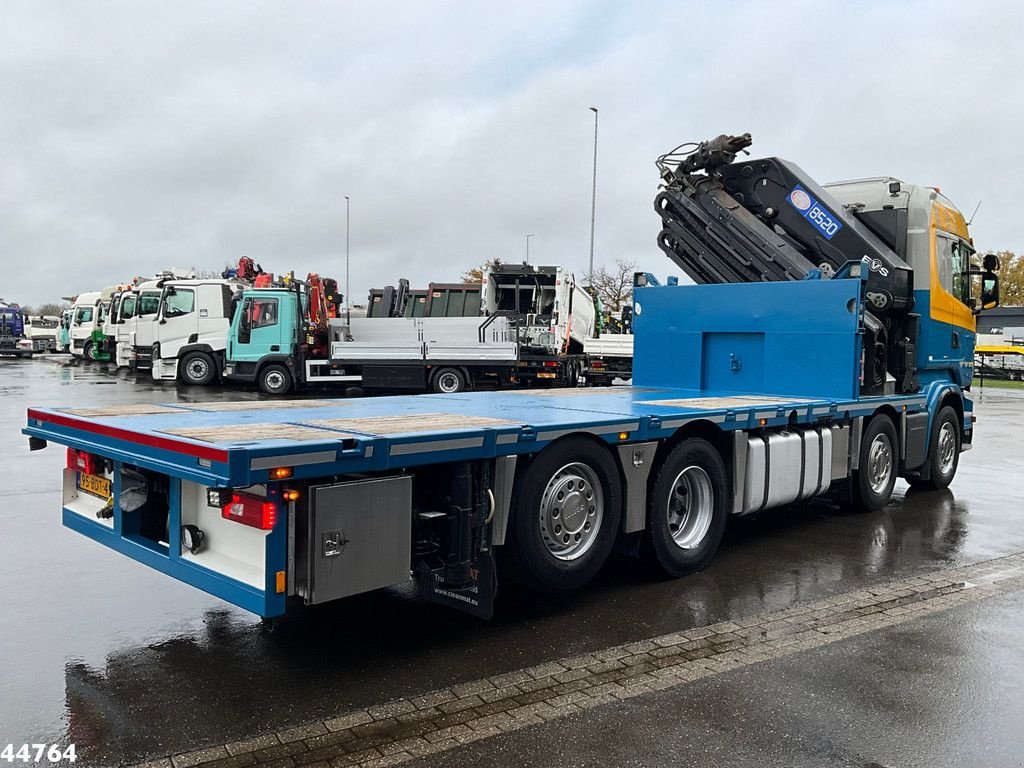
[{"x": 232, "y": 443}]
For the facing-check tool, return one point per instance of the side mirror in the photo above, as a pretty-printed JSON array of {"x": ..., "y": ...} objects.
[{"x": 989, "y": 288}]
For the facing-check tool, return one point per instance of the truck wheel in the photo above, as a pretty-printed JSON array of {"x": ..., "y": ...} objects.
[
  {"x": 197, "y": 369},
  {"x": 89, "y": 351},
  {"x": 944, "y": 453},
  {"x": 275, "y": 380},
  {"x": 565, "y": 516},
  {"x": 449, "y": 381},
  {"x": 687, "y": 509},
  {"x": 870, "y": 488}
]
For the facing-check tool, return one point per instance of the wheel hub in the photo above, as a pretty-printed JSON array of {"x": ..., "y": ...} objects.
[
  {"x": 197, "y": 369},
  {"x": 690, "y": 507},
  {"x": 275, "y": 380},
  {"x": 879, "y": 463},
  {"x": 947, "y": 448},
  {"x": 571, "y": 511}
]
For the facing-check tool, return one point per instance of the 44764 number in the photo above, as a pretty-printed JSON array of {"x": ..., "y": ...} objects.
[{"x": 38, "y": 753}]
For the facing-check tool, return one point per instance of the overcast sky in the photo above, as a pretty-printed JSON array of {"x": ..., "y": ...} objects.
[{"x": 136, "y": 136}]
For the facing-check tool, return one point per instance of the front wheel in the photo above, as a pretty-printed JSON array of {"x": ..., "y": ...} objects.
[
  {"x": 566, "y": 515},
  {"x": 275, "y": 380},
  {"x": 197, "y": 369},
  {"x": 943, "y": 453},
  {"x": 89, "y": 351},
  {"x": 687, "y": 509}
]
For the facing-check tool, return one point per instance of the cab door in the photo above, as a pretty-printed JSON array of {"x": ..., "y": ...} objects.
[
  {"x": 259, "y": 330},
  {"x": 177, "y": 320}
]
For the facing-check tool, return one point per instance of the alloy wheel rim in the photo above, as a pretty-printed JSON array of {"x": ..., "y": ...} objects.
[
  {"x": 947, "y": 448},
  {"x": 879, "y": 463},
  {"x": 275, "y": 380},
  {"x": 571, "y": 511},
  {"x": 690, "y": 507},
  {"x": 198, "y": 368}
]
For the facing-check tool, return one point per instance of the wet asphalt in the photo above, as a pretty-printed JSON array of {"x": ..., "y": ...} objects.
[{"x": 128, "y": 664}]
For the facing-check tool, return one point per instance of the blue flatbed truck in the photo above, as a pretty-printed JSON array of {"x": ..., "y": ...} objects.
[{"x": 747, "y": 396}]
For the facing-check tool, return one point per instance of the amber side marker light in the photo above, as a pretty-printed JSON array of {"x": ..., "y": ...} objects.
[
  {"x": 291, "y": 495},
  {"x": 623, "y": 435},
  {"x": 281, "y": 473}
]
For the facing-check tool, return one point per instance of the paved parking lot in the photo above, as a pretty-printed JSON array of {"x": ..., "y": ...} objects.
[{"x": 814, "y": 638}]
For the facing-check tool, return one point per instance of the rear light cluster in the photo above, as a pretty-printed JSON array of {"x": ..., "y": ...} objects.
[
  {"x": 89, "y": 463},
  {"x": 250, "y": 510}
]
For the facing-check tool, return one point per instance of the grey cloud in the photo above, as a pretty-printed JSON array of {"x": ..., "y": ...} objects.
[{"x": 137, "y": 135}]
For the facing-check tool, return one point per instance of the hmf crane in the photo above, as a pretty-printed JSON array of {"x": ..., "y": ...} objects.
[{"x": 825, "y": 349}]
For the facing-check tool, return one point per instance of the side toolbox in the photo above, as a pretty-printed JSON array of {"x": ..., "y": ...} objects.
[{"x": 353, "y": 537}]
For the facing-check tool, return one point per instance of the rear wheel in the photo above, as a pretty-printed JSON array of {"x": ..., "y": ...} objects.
[
  {"x": 449, "y": 381},
  {"x": 565, "y": 516},
  {"x": 197, "y": 369},
  {"x": 943, "y": 453},
  {"x": 686, "y": 511},
  {"x": 275, "y": 380},
  {"x": 870, "y": 487}
]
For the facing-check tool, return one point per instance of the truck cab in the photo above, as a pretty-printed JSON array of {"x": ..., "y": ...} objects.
[
  {"x": 263, "y": 342},
  {"x": 42, "y": 330},
  {"x": 64, "y": 330},
  {"x": 13, "y": 340},
  {"x": 191, "y": 329},
  {"x": 84, "y": 321},
  {"x": 926, "y": 230}
]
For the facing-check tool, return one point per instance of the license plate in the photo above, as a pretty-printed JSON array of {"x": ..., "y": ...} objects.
[
  {"x": 547, "y": 375},
  {"x": 94, "y": 484}
]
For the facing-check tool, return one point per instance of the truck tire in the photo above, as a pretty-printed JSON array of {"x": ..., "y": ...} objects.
[
  {"x": 565, "y": 516},
  {"x": 197, "y": 369},
  {"x": 275, "y": 380},
  {"x": 943, "y": 452},
  {"x": 448, "y": 381},
  {"x": 89, "y": 351},
  {"x": 687, "y": 508},
  {"x": 870, "y": 488}
]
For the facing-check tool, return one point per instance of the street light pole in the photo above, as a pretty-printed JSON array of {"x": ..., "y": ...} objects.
[
  {"x": 593, "y": 203},
  {"x": 528, "y": 248},
  {"x": 348, "y": 296}
]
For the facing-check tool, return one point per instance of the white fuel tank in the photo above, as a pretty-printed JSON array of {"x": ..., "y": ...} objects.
[{"x": 784, "y": 467}]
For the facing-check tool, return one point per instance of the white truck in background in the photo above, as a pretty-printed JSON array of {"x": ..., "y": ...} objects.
[
  {"x": 136, "y": 307},
  {"x": 190, "y": 329},
  {"x": 83, "y": 322},
  {"x": 552, "y": 314},
  {"x": 43, "y": 331}
]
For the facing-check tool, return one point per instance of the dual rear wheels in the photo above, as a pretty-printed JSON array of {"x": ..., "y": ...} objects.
[{"x": 567, "y": 512}]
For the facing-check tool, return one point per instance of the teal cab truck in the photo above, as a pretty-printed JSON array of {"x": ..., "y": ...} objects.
[
  {"x": 826, "y": 349},
  {"x": 526, "y": 325}
]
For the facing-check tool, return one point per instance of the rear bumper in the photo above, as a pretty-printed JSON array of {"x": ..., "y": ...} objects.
[{"x": 78, "y": 514}]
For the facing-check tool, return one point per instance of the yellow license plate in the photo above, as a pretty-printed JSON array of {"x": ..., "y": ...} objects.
[
  {"x": 547, "y": 375},
  {"x": 94, "y": 484}
]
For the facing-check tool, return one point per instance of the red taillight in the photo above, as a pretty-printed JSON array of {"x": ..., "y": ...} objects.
[
  {"x": 550, "y": 363},
  {"x": 88, "y": 463},
  {"x": 250, "y": 510}
]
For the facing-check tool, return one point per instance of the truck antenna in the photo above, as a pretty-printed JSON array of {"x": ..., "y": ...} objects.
[{"x": 971, "y": 220}]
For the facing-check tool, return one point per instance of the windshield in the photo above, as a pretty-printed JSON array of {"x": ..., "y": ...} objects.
[
  {"x": 83, "y": 315},
  {"x": 148, "y": 304},
  {"x": 128, "y": 306}
]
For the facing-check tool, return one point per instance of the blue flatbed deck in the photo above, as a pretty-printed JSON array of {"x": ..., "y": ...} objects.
[{"x": 236, "y": 443}]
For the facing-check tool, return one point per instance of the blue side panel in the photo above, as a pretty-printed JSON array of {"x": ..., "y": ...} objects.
[{"x": 795, "y": 339}]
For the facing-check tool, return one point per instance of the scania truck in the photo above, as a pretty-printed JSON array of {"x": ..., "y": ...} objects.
[{"x": 826, "y": 348}]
